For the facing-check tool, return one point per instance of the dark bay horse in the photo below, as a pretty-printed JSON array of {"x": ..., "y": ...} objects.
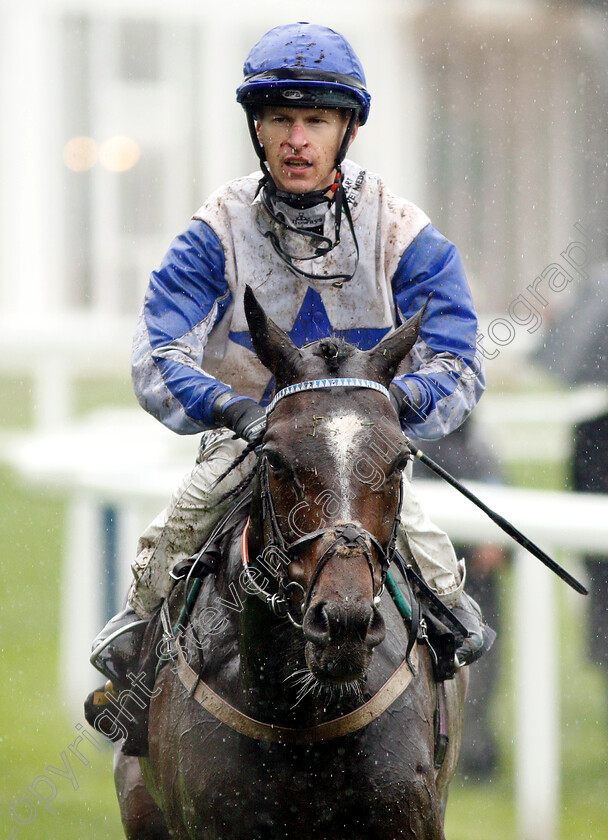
[{"x": 290, "y": 712}]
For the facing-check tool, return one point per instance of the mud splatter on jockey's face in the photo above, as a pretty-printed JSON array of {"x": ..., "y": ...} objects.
[{"x": 301, "y": 145}]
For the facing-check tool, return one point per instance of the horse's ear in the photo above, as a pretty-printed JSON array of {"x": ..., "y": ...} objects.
[
  {"x": 388, "y": 354},
  {"x": 273, "y": 346}
]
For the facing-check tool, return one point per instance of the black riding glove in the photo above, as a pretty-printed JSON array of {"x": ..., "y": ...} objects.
[
  {"x": 245, "y": 416},
  {"x": 480, "y": 638},
  {"x": 403, "y": 405}
]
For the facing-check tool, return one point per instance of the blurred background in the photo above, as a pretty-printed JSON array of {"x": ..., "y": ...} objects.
[{"x": 116, "y": 122}]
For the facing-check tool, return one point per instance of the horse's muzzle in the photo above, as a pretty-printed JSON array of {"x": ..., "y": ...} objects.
[{"x": 340, "y": 638}]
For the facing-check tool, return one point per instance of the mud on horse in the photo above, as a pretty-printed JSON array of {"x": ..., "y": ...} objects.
[{"x": 290, "y": 710}]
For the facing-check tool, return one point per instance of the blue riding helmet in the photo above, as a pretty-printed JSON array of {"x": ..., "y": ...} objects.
[
  {"x": 307, "y": 66},
  {"x": 304, "y": 65}
]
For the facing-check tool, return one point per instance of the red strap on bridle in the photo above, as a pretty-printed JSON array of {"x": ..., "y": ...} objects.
[{"x": 244, "y": 545}]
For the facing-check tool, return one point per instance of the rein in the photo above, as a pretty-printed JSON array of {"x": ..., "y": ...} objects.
[{"x": 280, "y": 604}]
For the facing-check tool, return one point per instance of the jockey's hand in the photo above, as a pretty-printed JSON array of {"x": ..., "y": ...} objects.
[
  {"x": 245, "y": 417},
  {"x": 480, "y": 636},
  {"x": 404, "y": 405}
]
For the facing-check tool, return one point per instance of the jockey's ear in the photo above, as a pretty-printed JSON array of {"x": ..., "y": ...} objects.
[
  {"x": 386, "y": 356},
  {"x": 273, "y": 346}
]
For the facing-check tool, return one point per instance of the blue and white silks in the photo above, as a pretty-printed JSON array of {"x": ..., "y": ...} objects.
[{"x": 192, "y": 342}]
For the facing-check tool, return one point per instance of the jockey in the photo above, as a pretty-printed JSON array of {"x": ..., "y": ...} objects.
[{"x": 328, "y": 250}]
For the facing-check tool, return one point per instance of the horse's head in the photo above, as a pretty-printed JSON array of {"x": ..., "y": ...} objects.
[{"x": 330, "y": 473}]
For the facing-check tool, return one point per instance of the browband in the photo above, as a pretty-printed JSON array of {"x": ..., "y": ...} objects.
[{"x": 318, "y": 384}]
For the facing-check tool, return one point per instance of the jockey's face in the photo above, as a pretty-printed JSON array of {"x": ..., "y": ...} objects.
[{"x": 301, "y": 145}]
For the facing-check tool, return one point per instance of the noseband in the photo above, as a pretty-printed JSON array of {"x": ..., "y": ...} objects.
[{"x": 347, "y": 534}]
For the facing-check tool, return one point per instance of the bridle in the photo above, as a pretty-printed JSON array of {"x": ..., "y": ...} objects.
[
  {"x": 346, "y": 534},
  {"x": 280, "y": 603}
]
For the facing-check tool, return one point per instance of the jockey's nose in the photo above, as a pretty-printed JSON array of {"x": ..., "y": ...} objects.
[{"x": 297, "y": 136}]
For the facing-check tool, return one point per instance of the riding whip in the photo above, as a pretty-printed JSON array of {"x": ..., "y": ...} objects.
[{"x": 502, "y": 523}]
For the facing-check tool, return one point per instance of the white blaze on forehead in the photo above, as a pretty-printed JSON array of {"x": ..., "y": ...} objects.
[{"x": 341, "y": 431}]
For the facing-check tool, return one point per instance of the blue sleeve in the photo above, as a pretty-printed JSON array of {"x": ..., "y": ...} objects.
[
  {"x": 186, "y": 296},
  {"x": 447, "y": 377}
]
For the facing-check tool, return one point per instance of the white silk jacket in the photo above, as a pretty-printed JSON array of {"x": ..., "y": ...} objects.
[{"x": 192, "y": 342}]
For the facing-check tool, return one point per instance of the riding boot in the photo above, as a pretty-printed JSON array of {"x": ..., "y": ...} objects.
[
  {"x": 116, "y": 649},
  {"x": 116, "y": 709},
  {"x": 480, "y": 636}
]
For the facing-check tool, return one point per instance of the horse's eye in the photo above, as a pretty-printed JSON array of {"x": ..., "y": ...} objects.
[
  {"x": 275, "y": 461},
  {"x": 400, "y": 464}
]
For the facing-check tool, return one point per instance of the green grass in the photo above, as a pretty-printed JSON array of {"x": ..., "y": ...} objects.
[
  {"x": 480, "y": 812},
  {"x": 486, "y": 811},
  {"x": 35, "y": 727},
  {"x": 100, "y": 392},
  {"x": 16, "y": 403}
]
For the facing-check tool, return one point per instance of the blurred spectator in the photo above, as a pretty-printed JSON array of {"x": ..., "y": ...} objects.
[
  {"x": 590, "y": 475},
  {"x": 466, "y": 455}
]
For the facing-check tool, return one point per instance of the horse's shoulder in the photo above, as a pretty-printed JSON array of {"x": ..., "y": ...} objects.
[{"x": 210, "y": 627}]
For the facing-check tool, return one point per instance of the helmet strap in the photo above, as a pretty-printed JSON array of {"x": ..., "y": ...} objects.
[
  {"x": 352, "y": 123},
  {"x": 259, "y": 149},
  {"x": 322, "y": 245}
]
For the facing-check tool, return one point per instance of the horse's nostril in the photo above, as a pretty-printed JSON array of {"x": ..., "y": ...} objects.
[
  {"x": 326, "y": 622},
  {"x": 376, "y": 628},
  {"x": 369, "y": 625},
  {"x": 316, "y": 625}
]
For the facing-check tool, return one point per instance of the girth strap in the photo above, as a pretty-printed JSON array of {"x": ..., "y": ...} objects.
[{"x": 336, "y": 728}]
